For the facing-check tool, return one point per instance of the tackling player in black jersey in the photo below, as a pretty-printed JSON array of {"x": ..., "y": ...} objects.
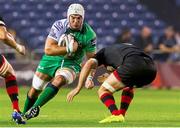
[{"x": 132, "y": 68}]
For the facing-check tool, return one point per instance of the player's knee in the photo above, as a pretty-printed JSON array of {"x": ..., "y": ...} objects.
[
  {"x": 106, "y": 87},
  {"x": 101, "y": 91},
  {"x": 38, "y": 84},
  {"x": 59, "y": 81},
  {"x": 5, "y": 68},
  {"x": 68, "y": 74}
]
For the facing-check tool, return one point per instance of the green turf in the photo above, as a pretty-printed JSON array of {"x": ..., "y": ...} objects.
[{"x": 149, "y": 108}]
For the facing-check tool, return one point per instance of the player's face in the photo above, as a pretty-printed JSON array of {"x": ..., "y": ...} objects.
[{"x": 75, "y": 22}]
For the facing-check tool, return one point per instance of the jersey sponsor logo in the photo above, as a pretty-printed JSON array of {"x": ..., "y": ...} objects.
[
  {"x": 93, "y": 42},
  {"x": 52, "y": 33}
]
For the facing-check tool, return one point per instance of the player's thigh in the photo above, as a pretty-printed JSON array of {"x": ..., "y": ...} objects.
[
  {"x": 69, "y": 71},
  {"x": 65, "y": 75},
  {"x": 39, "y": 82},
  {"x": 5, "y": 68},
  {"x": 43, "y": 76},
  {"x": 47, "y": 67}
]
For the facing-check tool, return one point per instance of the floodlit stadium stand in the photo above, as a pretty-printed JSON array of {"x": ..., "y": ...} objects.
[{"x": 32, "y": 19}]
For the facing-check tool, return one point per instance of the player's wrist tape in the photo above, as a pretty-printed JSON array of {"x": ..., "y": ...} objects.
[{"x": 90, "y": 77}]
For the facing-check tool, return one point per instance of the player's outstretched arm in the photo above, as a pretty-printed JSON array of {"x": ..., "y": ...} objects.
[
  {"x": 8, "y": 39},
  {"x": 90, "y": 64},
  {"x": 89, "y": 84}
]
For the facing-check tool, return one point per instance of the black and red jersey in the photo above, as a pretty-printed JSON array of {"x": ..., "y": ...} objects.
[
  {"x": 132, "y": 66},
  {"x": 115, "y": 55}
]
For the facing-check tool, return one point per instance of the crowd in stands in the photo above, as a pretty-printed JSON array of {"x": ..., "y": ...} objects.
[{"x": 165, "y": 48}]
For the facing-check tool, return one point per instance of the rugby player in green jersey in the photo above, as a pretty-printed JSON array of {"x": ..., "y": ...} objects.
[{"x": 61, "y": 64}]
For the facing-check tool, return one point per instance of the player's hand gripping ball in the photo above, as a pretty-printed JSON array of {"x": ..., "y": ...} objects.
[{"x": 68, "y": 41}]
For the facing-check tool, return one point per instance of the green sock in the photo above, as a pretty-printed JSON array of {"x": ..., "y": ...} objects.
[
  {"x": 49, "y": 92},
  {"x": 28, "y": 103}
]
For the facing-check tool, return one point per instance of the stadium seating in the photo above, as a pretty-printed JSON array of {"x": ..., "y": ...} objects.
[{"x": 32, "y": 19}]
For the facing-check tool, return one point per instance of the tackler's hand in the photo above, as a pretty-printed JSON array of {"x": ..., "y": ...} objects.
[{"x": 72, "y": 94}]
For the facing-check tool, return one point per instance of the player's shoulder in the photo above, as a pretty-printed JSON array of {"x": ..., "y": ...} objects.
[
  {"x": 89, "y": 30},
  {"x": 88, "y": 27},
  {"x": 62, "y": 23}
]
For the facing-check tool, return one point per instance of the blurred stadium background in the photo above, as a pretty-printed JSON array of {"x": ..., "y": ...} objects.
[{"x": 30, "y": 22}]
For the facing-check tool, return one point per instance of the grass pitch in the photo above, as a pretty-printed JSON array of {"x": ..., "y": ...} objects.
[{"x": 150, "y": 108}]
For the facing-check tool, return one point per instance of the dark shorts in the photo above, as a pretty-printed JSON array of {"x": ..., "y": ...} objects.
[{"x": 136, "y": 71}]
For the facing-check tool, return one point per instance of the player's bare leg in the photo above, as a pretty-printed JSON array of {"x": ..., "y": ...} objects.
[
  {"x": 126, "y": 96},
  {"x": 40, "y": 80},
  {"x": 7, "y": 72},
  {"x": 105, "y": 92},
  {"x": 62, "y": 77}
]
